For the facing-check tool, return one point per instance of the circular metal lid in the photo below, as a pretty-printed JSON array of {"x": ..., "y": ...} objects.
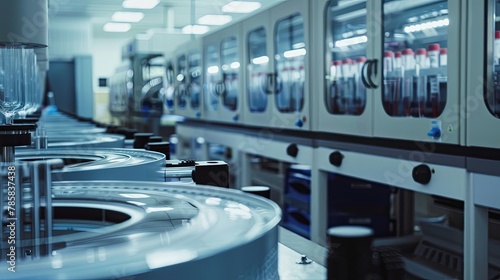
[
  {"x": 176, "y": 230},
  {"x": 101, "y": 164}
]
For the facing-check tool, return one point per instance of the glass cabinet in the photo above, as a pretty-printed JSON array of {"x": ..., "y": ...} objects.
[
  {"x": 222, "y": 84},
  {"x": 344, "y": 106},
  {"x": 211, "y": 64},
  {"x": 386, "y": 69},
  {"x": 483, "y": 75},
  {"x": 276, "y": 43},
  {"x": 187, "y": 78},
  {"x": 194, "y": 81},
  {"x": 181, "y": 81},
  {"x": 169, "y": 88},
  {"x": 420, "y": 52}
]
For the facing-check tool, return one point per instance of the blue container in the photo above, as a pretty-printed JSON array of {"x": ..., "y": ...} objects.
[
  {"x": 298, "y": 183},
  {"x": 297, "y": 220}
]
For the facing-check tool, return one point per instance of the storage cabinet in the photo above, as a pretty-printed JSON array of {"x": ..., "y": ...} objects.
[{"x": 277, "y": 67}]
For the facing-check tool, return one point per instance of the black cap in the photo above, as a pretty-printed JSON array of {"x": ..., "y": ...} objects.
[
  {"x": 141, "y": 139},
  {"x": 161, "y": 147}
]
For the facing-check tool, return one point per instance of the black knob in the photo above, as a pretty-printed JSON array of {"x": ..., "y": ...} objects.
[
  {"x": 422, "y": 174},
  {"x": 336, "y": 158},
  {"x": 292, "y": 150}
]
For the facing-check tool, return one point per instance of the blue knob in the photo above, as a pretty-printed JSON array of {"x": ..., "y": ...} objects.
[
  {"x": 435, "y": 133},
  {"x": 198, "y": 114},
  {"x": 299, "y": 123},
  {"x": 236, "y": 118}
]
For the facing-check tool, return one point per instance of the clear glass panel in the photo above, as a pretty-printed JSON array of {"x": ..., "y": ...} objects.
[
  {"x": 290, "y": 50},
  {"x": 169, "y": 86},
  {"x": 211, "y": 64},
  {"x": 258, "y": 68},
  {"x": 230, "y": 67},
  {"x": 194, "y": 63},
  {"x": 345, "y": 56},
  {"x": 181, "y": 81},
  {"x": 492, "y": 97},
  {"x": 415, "y": 58}
]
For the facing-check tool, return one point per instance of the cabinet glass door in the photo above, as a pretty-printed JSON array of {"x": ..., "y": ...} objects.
[
  {"x": 344, "y": 105},
  {"x": 211, "y": 64},
  {"x": 181, "y": 81},
  {"x": 418, "y": 50},
  {"x": 194, "y": 89},
  {"x": 415, "y": 64},
  {"x": 290, "y": 50},
  {"x": 230, "y": 65},
  {"x": 346, "y": 41},
  {"x": 492, "y": 97},
  {"x": 483, "y": 75},
  {"x": 258, "y": 65},
  {"x": 169, "y": 87}
]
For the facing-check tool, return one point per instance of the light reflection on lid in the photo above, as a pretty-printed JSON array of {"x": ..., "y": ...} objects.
[
  {"x": 134, "y": 195},
  {"x": 213, "y": 201},
  {"x": 162, "y": 258},
  {"x": 158, "y": 209}
]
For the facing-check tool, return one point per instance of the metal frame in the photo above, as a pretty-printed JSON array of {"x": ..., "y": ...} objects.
[{"x": 483, "y": 129}]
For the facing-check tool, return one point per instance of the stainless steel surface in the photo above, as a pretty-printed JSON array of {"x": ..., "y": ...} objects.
[
  {"x": 24, "y": 22},
  {"x": 7, "y": 154},
  {"x": 101, "y": 164},
  {"x": 289, "y": 269},
  {"x": 176, "y": 230}
]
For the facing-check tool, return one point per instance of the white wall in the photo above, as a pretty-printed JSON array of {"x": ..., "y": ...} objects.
[
  {"x": 106, "y": 55},
  {"x": 69, "y": 37}
]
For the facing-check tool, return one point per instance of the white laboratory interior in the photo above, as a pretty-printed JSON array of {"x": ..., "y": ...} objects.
[{"x": 250, "y": 139}]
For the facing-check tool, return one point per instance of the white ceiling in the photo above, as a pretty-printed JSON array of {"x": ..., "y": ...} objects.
[{"x": 169, "y": 13}]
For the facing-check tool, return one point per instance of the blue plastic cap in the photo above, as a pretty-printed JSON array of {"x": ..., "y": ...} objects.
[
  {"x": 435, "y": 133},
  {"x": 299, "y": 123}
]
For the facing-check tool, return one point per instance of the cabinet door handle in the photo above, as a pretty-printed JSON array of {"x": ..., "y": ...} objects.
[
  {"x": 370, "y": 71},
  {"x": 220, "y": 88},
  {"x": 273, "y": 83},
  {"x": 363, "y": 75}
]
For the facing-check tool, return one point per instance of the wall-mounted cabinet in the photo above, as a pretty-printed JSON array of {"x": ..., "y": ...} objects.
[
  {"x": 223, "y": 86},
  {"x": 391, "y": 69},
  {"x": 277, "y": 67}
]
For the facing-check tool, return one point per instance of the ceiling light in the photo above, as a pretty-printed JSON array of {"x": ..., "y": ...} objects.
[
  {"x": 351, "y": 41},
  {"x": 260, "y": 60},
  {"x": 213, "y": 69},
  {"x": 117, "y": 27},
  {"x": 195, "y": 29},
  {"x": 294, "y": 53},
  {"x": 127, "y": 16},
  {"x": 427, "y": 25},
  {"x": 140, "y": 4},
  {"x": 240, "y": 7},
  {"x": 235, "y": 65},
  {"x": 214, "y": 19}
]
